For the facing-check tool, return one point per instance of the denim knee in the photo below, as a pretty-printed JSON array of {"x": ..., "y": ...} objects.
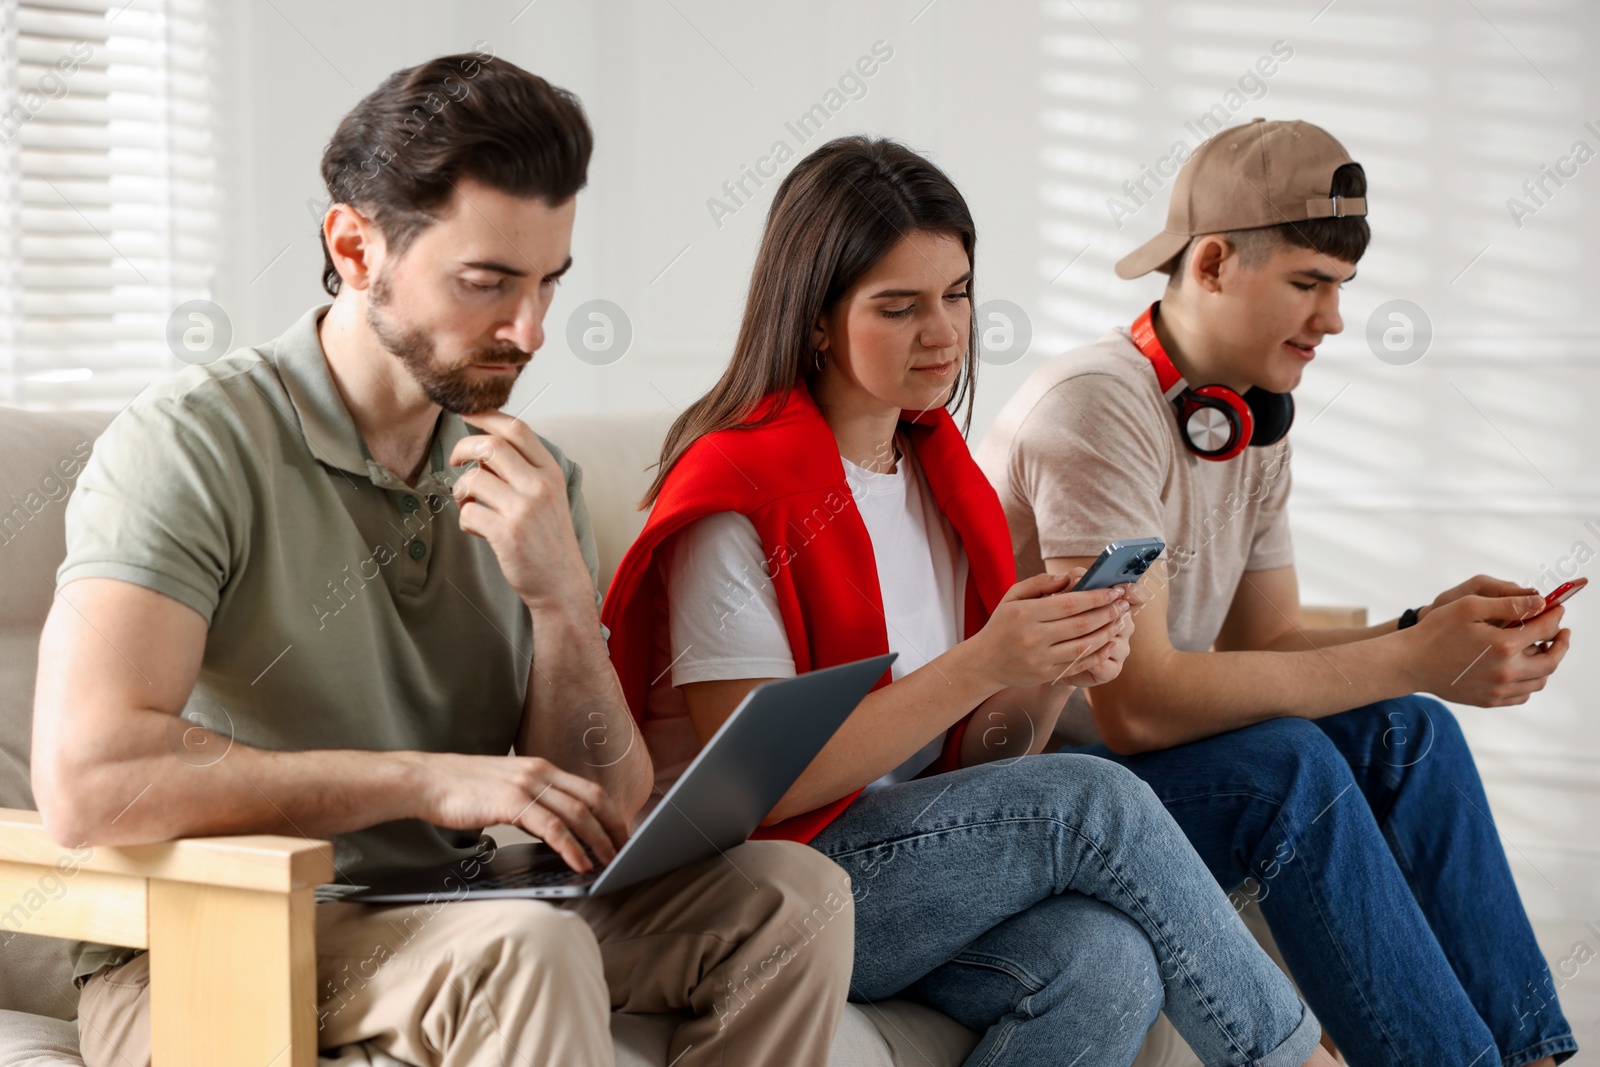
[
  {"x": 1417, "y": 718},
  {"x": 1127, "y": 961},
  {"x": 1291, "y": 756},
  {"x": 1057, "y": 779},
  {"x": 1396, "y": 736},
  {"x": 1069, "y": 951}
]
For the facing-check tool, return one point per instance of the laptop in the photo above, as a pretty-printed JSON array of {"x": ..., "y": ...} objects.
[{"x": 734, "y": 781}]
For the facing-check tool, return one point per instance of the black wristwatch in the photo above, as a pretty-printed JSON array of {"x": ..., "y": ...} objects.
[{"x": 1408, "y": 618}]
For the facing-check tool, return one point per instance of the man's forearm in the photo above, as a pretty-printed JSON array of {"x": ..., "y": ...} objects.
[
  {"x": 575, "y": 715},
  {"x": 172, "y": 780},
  {"x": 1192, "y": 695},
  {"x": 1300, "y": 640}
]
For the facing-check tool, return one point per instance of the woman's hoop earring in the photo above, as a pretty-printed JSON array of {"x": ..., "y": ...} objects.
[{"x": 817, "y": 358}]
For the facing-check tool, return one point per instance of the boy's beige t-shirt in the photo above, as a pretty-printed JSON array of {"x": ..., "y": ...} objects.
[{"x": 1087, "y": 452}]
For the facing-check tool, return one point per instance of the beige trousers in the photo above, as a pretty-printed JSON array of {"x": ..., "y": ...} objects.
[{"x": 757, "y": 945}]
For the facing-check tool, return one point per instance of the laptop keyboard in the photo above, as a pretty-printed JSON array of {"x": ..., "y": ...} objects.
[
  {"x": 532, "y": 879},
  {"x": 540, "y": 876},
  {"x": 553, "y": 873}
]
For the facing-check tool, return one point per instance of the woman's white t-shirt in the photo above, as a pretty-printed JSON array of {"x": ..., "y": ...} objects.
[{"x": 723, "y": 619}]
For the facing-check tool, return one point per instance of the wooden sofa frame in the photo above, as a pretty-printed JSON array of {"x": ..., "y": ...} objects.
[{"x": 201, "y": 905}]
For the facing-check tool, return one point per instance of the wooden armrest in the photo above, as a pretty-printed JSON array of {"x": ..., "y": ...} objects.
[
  {"x": 259, "y": 861},
  {"x": 230, "y": 922},
  {"x": 102, "y": 893},
  {"x": 1325, "y": 617}
]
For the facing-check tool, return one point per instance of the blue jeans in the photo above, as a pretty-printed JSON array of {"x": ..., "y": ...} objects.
[
  {"x": 1053, "y": 905},
  {"x": 1368, "y": 840}
]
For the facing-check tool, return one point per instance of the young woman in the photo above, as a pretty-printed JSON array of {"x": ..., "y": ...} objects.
[{"x": 818, "y": 506}]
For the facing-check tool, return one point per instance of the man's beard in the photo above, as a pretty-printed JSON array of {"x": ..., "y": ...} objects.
[{"x": 454, "y": 388}]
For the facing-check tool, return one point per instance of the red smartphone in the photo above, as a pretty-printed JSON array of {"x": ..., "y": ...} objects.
[{"x": 1559, "y": 595}]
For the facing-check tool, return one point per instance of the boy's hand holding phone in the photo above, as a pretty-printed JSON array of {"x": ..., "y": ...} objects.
[
  {"x": 1558, "y": 596},
  {"x": 1486, "y": 649},
  {"x": 1486, "y": 586}
]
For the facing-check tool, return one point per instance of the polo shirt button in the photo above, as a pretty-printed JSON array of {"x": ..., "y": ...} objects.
[
  {"x": 418, "y": 549},
  {"x": 408, "y": 504}
]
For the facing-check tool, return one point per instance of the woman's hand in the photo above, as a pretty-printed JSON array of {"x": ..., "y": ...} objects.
[
  {"x": 1041, "y": 633},
  {"x": 1107, "y": 663}
]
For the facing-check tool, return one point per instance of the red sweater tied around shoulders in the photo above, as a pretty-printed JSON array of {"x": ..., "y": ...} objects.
[{"x": 787, "y": 478}]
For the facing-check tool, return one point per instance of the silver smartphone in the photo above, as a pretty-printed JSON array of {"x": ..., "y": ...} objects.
[{"x": 1121, "y": 562}]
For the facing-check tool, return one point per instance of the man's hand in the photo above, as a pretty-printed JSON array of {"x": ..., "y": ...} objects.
[
  {"x": 564, "y": 810},
  {"x": 1477, "y": 585},
  {"x": 516, "y": 499},
  {"x": 1465, "y": 652}
]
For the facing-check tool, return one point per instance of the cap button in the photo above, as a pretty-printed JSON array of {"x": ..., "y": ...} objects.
[{"x": 1258, "y": 120}]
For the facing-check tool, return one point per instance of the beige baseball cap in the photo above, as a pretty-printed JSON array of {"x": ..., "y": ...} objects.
[{"x": 1246, "y": 177}]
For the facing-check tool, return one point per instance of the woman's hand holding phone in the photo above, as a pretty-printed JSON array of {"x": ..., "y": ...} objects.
[
  {"x": 1109, "y": 664},
  {"x": 1043, "y": 633}
]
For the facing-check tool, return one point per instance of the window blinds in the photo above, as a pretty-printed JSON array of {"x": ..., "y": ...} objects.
[{"x": 109, "y": 218}]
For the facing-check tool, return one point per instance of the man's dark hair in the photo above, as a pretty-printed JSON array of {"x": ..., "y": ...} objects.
[
  {"x": 1344, "y": 238},
  {"x": 399, "y": 153}
]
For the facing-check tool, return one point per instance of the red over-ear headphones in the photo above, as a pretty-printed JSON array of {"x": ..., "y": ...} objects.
[{"x": 1214, "y": 421}]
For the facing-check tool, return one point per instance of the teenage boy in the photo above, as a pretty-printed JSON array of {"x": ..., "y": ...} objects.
[
  {"x": 1299, "y": 762},
  {"x": 280, "y": 541}
]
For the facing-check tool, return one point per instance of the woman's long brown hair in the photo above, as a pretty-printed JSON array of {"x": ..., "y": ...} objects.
[{"x": 838, "y": 213}]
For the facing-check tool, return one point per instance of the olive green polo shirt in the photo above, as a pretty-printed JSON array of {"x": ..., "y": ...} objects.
[{"x": 347, "y": 610}]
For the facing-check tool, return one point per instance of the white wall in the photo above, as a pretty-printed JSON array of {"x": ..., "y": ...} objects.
[{"x": 1479, "y": 457}]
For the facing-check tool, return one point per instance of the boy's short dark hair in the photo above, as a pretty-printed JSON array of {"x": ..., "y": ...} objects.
[{"x": 399, "y": 153}]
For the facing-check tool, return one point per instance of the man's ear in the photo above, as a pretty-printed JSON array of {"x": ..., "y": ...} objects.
[
  {"x": 1210, "y": 254},
  {"x": 354, "y": 244}
]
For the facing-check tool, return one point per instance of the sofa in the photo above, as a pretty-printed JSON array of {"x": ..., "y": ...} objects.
[{"x": 131, "y": 892}]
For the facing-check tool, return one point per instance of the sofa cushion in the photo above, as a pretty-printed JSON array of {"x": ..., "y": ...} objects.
[
  {"x": 37, "y": 1041},
  {"x": 921, "y": 1037},
  {"x": 916, "y": 1034},
  {"x": 924, "y": 1039},
  {"x": 36, "y": 976},
  {"x": 616, "y": 453},
  {"x": 44, "y": 453}
]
